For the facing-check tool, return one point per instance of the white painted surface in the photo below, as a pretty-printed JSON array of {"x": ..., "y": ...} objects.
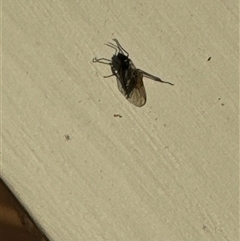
[{"x": 167, "y": 171}]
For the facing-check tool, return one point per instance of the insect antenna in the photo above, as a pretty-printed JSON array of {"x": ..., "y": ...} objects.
[
  {"x": 113, "y": 46},
  {"x": 147, "y": 75},
  {"x": 121, "y": 49},
  {"x": 117, "y": 47}
]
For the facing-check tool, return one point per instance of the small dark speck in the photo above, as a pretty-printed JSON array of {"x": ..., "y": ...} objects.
[
  {"x": 117, "y": 115},
  {"x": 204, "y": 227},
  {"x": 67, "y": 137},
  {"x": 222, "y": 103},
  {"x": 209, "y": 59}
]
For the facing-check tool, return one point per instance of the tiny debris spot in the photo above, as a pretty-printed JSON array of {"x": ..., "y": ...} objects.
[
  {"x": 117, "y": 115},
  {"x": 67, "y": 137},
  {"x": 209, "y": 59},
  {"x": 222, "y": 103},
  {"x": 204, "y": 227}
]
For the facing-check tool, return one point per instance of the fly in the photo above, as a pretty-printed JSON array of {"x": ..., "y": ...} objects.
[{"x": 129, "y": 78}]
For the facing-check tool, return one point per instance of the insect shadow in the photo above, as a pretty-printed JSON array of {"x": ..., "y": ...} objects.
[{"x": 129, "y": 78}]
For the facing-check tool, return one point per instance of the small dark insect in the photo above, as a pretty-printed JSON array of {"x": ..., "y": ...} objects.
[
  {"x": 209, "y": 59},
  {"x": 129, "y": 78}
]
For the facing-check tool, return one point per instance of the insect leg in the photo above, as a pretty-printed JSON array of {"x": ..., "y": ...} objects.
[
  {"x": 147, "y": 75},
  {"x": 108, "y": 76},
  {"x": 102, "y": 61}
]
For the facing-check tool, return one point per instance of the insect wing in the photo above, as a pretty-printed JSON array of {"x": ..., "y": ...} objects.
[
  {"x": 131, "y": 86},
  {"x": 137, "y": 96}
]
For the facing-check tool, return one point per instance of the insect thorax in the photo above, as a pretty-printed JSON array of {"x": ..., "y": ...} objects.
[{"x": 120, "y": 61}]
